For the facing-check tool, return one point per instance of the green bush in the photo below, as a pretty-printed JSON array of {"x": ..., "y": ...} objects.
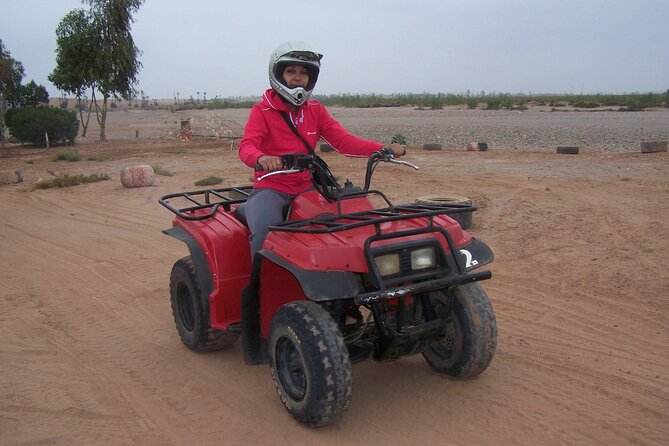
[
  {"x": 634, "y": 104},
  {"x": 493, "y": 103},
  {"x": 398, "y": 138},
  {"x": 436, "y": 103},
  {"x": 209, "y": 181},
  {"x": 66, "y": 155},
  {"x": 29, "y": 125},
  {"x": 66, "y": 180},
  {"x": 639, "y": 102},
  {"x": 506, "y": 103}
]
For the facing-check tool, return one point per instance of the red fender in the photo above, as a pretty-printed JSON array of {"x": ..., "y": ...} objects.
[{"x": 224, "y": 242}]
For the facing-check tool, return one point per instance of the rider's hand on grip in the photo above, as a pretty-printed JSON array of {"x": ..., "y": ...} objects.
[
  {"x": 387, "y": 153},
  {"x": 395, "y": 150},
  {"x": 269, "y": 163}
]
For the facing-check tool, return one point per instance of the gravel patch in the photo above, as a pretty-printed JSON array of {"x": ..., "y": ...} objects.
[{"x": 539, "y": 127}]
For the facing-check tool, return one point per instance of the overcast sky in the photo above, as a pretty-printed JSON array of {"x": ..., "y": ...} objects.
[{"x": 377, "y": 46}]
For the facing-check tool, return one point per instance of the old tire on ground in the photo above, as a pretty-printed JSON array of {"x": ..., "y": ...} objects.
[
  {"x": 325, "y": 147},
  {"x": 471, "y": 337},
  {"x": 464, "y": 218},
  {"x": 568, "y": 150},
  {"x": 310, "y": 364},
  {"x": 190, "y": 315},
  {"x": 653, "y": 146}
]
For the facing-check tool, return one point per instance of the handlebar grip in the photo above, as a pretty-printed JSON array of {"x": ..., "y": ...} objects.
[{"x": 387, "y": 152}]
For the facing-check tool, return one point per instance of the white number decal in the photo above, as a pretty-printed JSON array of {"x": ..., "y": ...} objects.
[{"x": 469, "y": 261}]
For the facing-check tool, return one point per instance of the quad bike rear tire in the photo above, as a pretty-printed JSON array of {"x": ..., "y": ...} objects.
[
  {"x": 190, "y": 315},
  {"x": 464, "y": 218},
  {"x": 310, "y": 364},
  {"x": 470, "y": 341}
]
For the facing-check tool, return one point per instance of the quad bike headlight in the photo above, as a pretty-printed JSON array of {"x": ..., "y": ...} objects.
[
  {"x": 423, "y": 258},
  {"x": 406, "y": 260},
  {"x": 388, "y": 264}
]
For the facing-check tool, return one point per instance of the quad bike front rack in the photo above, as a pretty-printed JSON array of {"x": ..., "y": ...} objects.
[{"x": 343, "y": 222}]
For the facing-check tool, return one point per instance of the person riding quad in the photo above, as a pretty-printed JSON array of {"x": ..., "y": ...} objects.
[{"x": 287, "y": 121}]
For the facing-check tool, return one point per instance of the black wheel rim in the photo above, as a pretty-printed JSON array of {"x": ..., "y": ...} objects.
[
  {"x": 449, "y": 347},
  {"x": 290, "y": 368},
  {"x": 185, "y": 307}
]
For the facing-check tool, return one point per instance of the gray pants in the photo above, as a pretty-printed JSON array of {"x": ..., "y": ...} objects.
[{"x": 263, "y": 208}]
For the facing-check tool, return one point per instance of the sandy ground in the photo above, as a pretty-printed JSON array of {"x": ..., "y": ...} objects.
[{"x": 89, "y": 353}]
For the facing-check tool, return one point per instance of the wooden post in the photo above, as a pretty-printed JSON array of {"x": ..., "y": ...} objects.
[{"x": 46, "y": 137}]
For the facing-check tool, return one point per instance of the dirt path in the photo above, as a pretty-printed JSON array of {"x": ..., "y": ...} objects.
[{"x": 89, "y": 353}]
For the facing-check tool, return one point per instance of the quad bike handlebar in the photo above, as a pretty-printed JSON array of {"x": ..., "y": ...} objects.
[
  {"x": 385, "y": 155},
  {"x": 297, "y": 162},
  {"x": 292, "y": 163}
]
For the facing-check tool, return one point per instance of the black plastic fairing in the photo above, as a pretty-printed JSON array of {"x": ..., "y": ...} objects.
[{"x": 202, "y": 270}]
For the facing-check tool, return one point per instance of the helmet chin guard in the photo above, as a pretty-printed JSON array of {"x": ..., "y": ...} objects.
[{"x": 294, "y": 53}]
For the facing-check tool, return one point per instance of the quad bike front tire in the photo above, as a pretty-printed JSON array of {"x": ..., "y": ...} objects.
[
  {"x": 190, "y": 315},
  {"x": 469, "y": 344},
  {"x": 310, "y": 364}
]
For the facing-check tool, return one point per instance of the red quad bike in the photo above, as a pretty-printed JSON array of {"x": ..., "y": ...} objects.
[{"x": 339, "y": 281}]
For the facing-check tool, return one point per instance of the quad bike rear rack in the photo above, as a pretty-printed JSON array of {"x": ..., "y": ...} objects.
[{"x": 206, "y": 199}]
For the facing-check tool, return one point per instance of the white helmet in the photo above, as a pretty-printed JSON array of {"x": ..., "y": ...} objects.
[{"x": 294, "y": 53}]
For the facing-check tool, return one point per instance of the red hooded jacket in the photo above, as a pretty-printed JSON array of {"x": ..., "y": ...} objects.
[{"x": 266, "y": 133}]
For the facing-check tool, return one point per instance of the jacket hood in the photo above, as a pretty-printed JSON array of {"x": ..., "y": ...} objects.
[{"x": 271, "y": 99}]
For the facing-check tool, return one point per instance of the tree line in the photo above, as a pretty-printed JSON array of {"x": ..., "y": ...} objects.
[{"x": 95, "y": 53}]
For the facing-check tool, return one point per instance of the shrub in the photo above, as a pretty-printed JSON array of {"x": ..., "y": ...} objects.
[
  {"x": 634, "y": 104},
  {"x": 436, "y": 103},
  {"x": 493, "y": 104},
  {"x": 506, "y": 102},
  {"x": 398, "y": 138},
  {"x": 209, "y": 181},
  {"x": 639, "y": 102},
  {"x": 66, "y": 155},
  {"x": 29, "y": 125},
  {"x": 69, "y": 180}
]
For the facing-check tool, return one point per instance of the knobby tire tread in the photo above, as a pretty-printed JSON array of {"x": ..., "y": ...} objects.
[
  {"x": 323, "y": 347},
  {"x": 203, "y": 338}
]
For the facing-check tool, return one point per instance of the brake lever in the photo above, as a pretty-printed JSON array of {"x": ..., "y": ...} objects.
[
  {"x": 393, "y": 160},
  {"x": 390, "y": 157},
  {"x": 278, "y": 172}
]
